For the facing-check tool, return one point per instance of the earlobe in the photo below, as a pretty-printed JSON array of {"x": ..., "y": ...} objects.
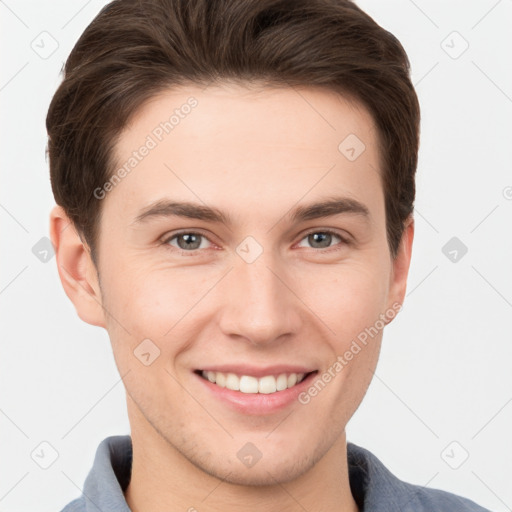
[
  {"x": 400, "y": 266},
  {"x": 76, "y": 269}
]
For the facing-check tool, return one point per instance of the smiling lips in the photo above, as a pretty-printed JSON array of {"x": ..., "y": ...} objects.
[
  {"x": 248, "y": 384},
  {"x": 266, "y": 380}
]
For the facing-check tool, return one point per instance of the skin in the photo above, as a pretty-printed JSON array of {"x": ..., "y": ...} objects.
[{"x": 254, "y": 153}]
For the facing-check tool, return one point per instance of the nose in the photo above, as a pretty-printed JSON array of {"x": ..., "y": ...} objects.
[{"x": 257, "y": 302}]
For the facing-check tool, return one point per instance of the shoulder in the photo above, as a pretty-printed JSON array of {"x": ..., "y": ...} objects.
[
  {"x": 77, "y": 505},
  {"x": 109, "y": 476},
  {"x": 421, "y": 498},
  {"x": 376, "y": 489}
]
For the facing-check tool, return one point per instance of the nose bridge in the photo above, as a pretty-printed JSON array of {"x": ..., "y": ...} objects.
[{"x": 256, "y": 304}]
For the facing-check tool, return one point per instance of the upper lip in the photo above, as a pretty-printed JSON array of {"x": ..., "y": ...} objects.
[{"x": 255, "y": 371}]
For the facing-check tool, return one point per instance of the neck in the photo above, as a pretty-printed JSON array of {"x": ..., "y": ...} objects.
[{"x": 163, "y": 479}]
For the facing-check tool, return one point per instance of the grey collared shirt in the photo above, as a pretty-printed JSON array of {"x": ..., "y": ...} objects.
[{"x": 373, "y": 486}]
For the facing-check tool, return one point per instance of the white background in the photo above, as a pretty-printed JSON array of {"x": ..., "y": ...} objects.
[{"x": 444, "y": 373}]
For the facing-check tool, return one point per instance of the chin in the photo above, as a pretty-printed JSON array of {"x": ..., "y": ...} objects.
[
  {"x": 257, "y": 478},
  {"x": 263, "y": 472}
]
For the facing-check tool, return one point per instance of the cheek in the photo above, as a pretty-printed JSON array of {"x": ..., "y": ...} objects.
[
  {"x": 151, "y": 313},
  {"x": 151, "y": 304},
  {"x": 350, "y": 297}
]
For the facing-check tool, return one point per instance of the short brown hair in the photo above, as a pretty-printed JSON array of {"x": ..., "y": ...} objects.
[{"x": 135, "y": 49}]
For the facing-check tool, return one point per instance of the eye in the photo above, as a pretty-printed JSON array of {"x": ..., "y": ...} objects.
[
  {"x": 322, "y": 239},
  {"x": 192, "y": 241},
  {"x": 187, "y": 241}
]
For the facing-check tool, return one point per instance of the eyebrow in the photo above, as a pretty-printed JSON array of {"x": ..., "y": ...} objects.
[{"x": 325, "y": 208}]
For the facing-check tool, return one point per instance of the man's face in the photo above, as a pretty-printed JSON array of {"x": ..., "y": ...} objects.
[{"x": 263, "y": 288}]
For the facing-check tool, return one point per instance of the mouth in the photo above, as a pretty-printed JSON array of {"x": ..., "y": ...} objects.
[{"x": 248, "y": 384}]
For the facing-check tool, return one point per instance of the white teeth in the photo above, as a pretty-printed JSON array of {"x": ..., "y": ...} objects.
[
  {"x": 220, "y": 380},
  {"x": 248, "y": 384},
  {"x": 267, "y": 385},
  {"x": 232, "y": 382},
  {"x": 282, "y": 382}
]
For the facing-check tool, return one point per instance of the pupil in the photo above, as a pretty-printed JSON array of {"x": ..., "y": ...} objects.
[
  {"x": 190, "y": 240},
  {"x": 323, "y": 238}
]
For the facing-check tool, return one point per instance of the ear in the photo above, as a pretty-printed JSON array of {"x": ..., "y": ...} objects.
[
  {"x": 400, "y": 267},
  {"x": 76, "y": 269}
]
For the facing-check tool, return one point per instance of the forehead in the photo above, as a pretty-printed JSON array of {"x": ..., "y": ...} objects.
[
  {"x": 247, "y": 144},
  {"x": 312, "y": 116}
]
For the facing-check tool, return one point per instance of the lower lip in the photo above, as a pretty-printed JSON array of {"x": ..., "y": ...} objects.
[{"x": 257, "y": 403}]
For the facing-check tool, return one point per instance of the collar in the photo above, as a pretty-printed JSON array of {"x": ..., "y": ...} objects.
[{"x": 374, "y": 487}]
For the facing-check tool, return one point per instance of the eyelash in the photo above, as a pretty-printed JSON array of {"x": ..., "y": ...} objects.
[{"x": 195, "y": 252}]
